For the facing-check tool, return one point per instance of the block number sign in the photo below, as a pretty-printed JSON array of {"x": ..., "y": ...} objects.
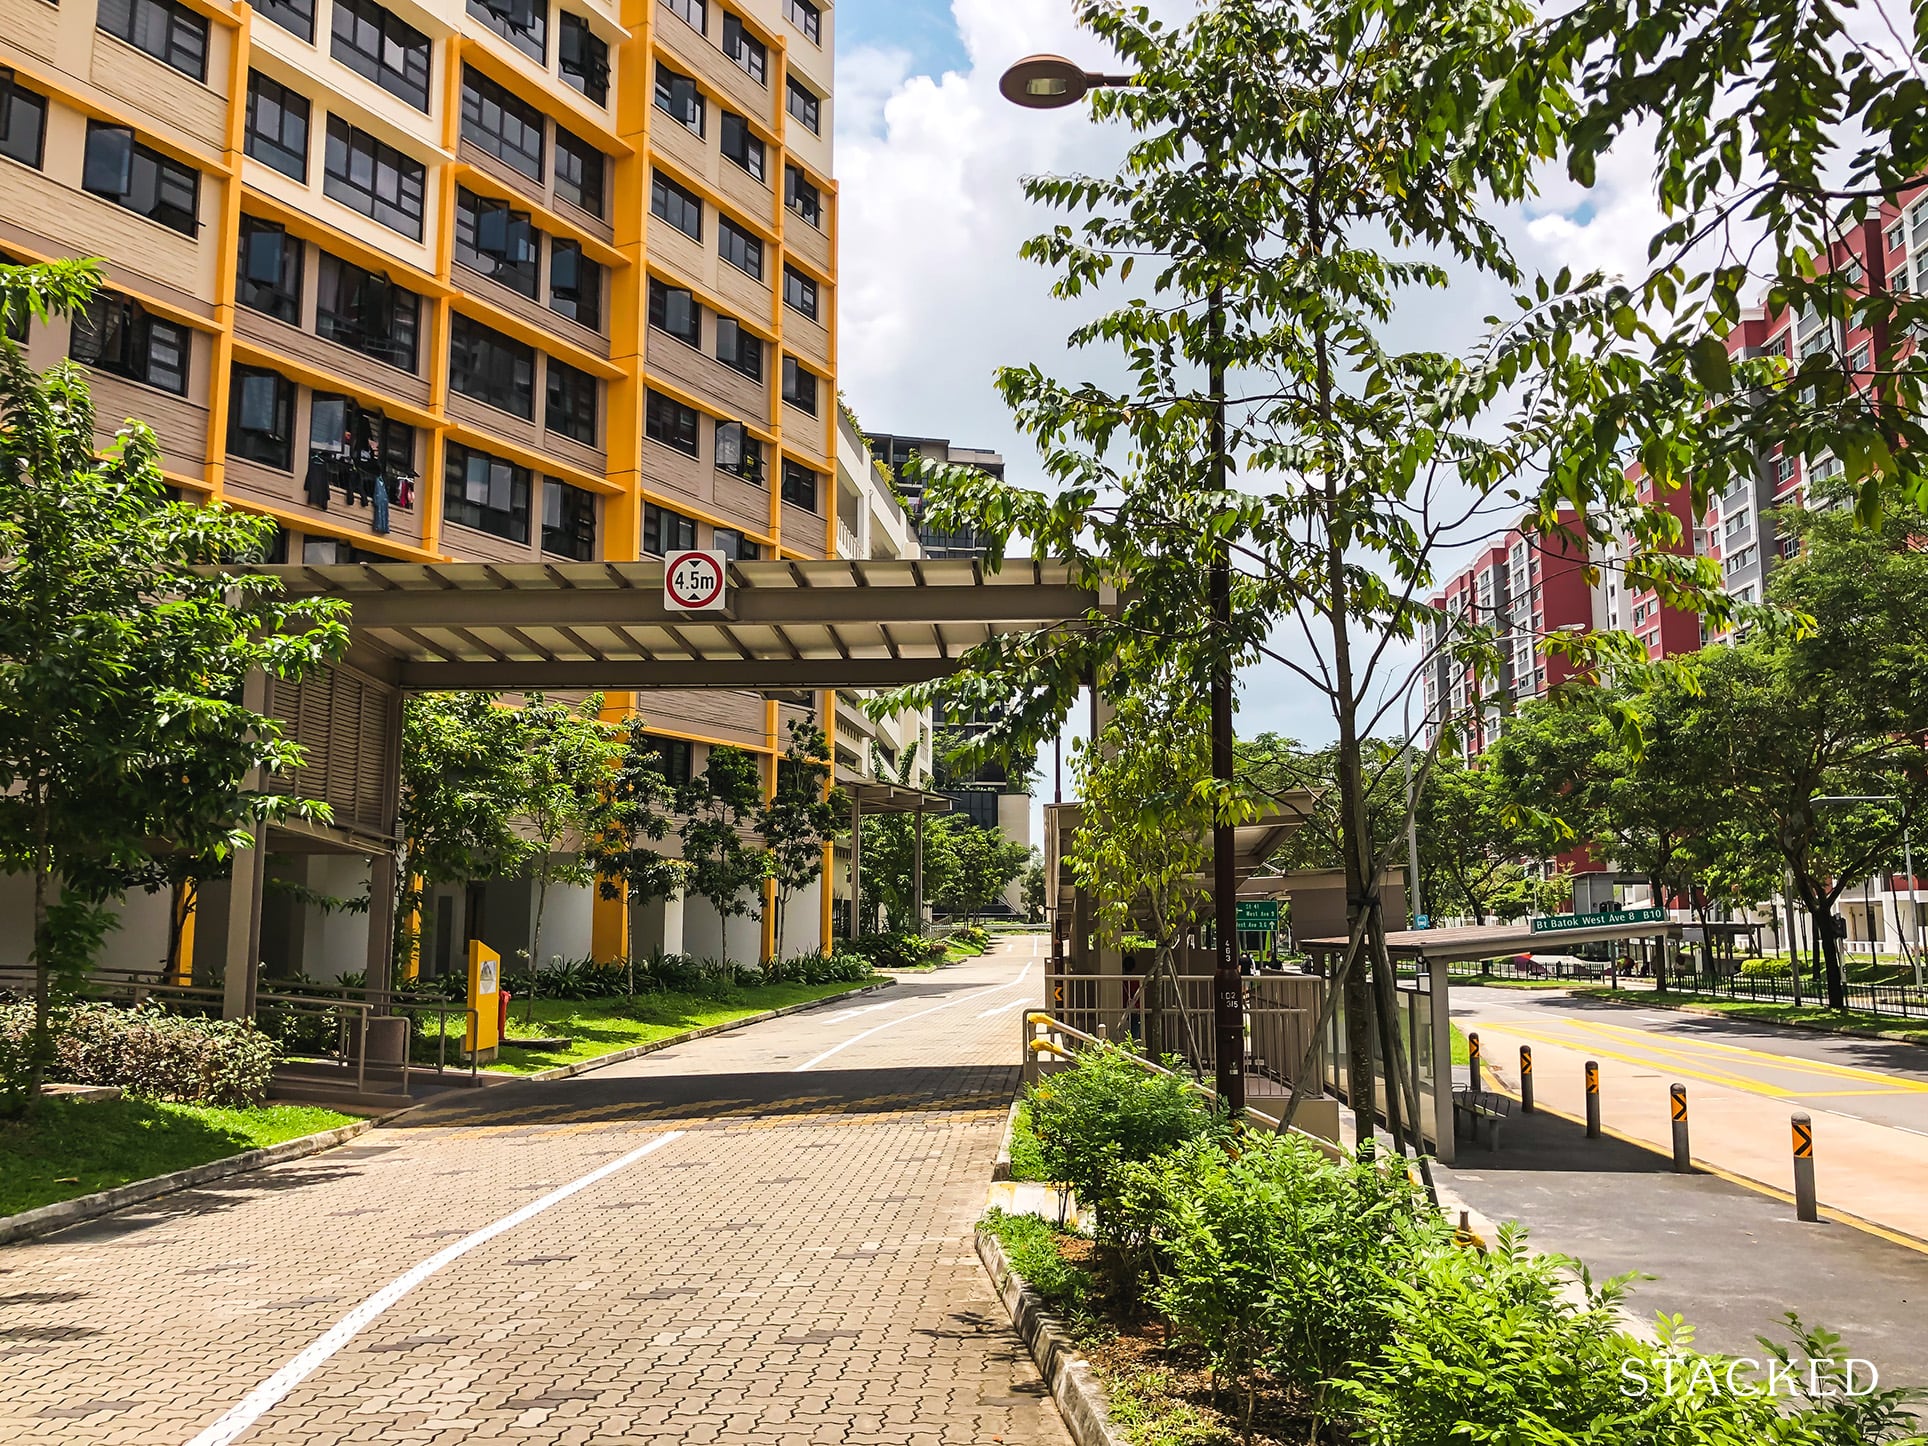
[{"x": 693, "y": 582}]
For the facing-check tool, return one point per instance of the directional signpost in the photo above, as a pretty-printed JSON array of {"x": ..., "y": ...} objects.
[
  {"x": 694, "y": 582},
  {"x": 1555, "y": 923}
]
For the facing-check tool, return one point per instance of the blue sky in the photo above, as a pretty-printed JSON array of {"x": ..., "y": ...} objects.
[{"x": 924, "y": 29}]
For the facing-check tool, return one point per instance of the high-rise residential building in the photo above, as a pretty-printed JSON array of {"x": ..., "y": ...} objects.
[
  {"x": 895, "y": 453},
  {"x": 515, "y": 281}
]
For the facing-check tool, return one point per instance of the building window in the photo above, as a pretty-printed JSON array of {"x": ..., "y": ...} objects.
[
  {"x": 745, "y": 49},
  {"x": 297, "y": 17},
  {"x": 1862, "y": 359},
  {"x": 802, "y": 105},
  {"x": 738, "y": 453},
  {"x": 580, "y": 170},
  {"x": 677, "y": 760},
  {"x": 1787, "y": 467},
  {"x": 571, "y": 408},
  {"x": 115, "y": 334},
  {"x": 800, "y": 486},
  {"x": 807, "y": 18},
  {"x": 124, "y": 171},
  {"x": 668, "y": 421},
  {"x": 494, "y": 238},
  {"x": 488, "y": 493},
  {"x": 505, "y": 127},
  {"x": 492, "y": 368},
  {"x": 352, "y": 445},
  {"x": 740, "y": 144},
  {"x": 277, "y": 126},
  {"x": 261, "y": 418},
  {"x": 739, "y": 349},
  {"x": 170, "y": 32},
  {"x": 801, "y": 195},
  {"x": 1738, "y": 561},
  {"x": 799, "y": 292},
  {"x": 739, "y": 248},
  {"x": 366, "y": 311},
  {"x": 568, "y": 521},
  {"x": 799, "y": 387},
  {"x": 389, "y": 51},
  {"x": 269, "y": 267},
  {"x": 575, "y": 284},
  {"x": 523, "y": 23},
  {"x": 23, "y": 124},
  {"x": 674, "y": 310},
  {"x": 665, "y": 531},
  {"x": 693, "y": 12},
  {"x": 678, "y": 98},
  {"x": 734, "y": 545},
  {"x": 583, "y": 58},
  {"x": 374, "y": 178},
  {"x": 676, "y": 205}
]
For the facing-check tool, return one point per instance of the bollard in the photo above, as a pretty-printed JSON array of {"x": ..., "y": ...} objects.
[
  {"x": 1472, "y": 1057},
  {"x": 1526, "y": 1079},
  {"x": 1593, "y": 1100},
  {"x": 1806, "y": 1206},
  {"x": 1683, "y": 1159}
]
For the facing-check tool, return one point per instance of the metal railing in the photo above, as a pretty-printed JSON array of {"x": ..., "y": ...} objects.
[{"x": 1892, "y": 1001}]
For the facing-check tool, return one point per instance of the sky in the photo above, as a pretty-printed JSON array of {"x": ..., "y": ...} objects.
[{"x": 934, "y": 298}]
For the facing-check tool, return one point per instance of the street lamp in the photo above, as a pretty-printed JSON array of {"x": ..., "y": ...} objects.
[
  {"x": 1907, "y": 859},
  {"x": 1051, "y": 82}
]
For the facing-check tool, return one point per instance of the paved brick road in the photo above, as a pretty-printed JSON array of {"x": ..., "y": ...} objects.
[{"x": 790, "y": 1263}]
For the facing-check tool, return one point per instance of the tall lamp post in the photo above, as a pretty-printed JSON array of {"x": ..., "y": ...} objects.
[
  {"x": 1050, "y": 82},
  {"x": 1907, "y": 862}
]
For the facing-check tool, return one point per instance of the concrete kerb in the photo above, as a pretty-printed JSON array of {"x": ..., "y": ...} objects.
[
  {"x": 1001, "y": 1170},
  {"x": 1079, "y": 1396},
  {"x": 47, "y": 1218}
]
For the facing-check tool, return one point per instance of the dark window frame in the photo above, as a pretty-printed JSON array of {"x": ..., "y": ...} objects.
[
  {"x": 572, "y": 405},
  {"x": 275, "y": 149},
  {"x": 656, "y": 518},
  {"x": 351, "y": 145},
  {"x": 807, "y": 18},
  {"x": 803, "y": 196},
  {"x": 794, "y": 372},
  {"x": 749, "y": 54},
  {"x": 460, "y": 477},
  {"x": 507, "y": 250},
  {"x": 754, "y": 158},
  {"x": 278, "y": 296},
  {"x": 731, "y": 542},
  {"x": 165, "y": 29},
  {"x": 523, "y": 23},
  {"x": 297, "y": 17},
  {"x": 588, "y": 191},
  {"x": 679, "y": 97},
  {"x": 163, "y": 171},
  {"x": 693, "y": 13},
  {"x": 491, "y": 367},
  {"x": 365, "y": 433},
  {"x": 749, "y": 466},
  {"x": 482, "y": 96},
  {"x": 747, "y": 346},
  {"x": 800, "y": 485},
  {"x": 395, "y": 338},
  {"x": 145, "y": 348},
  {"x": 271, "y": 445},
  {"x": 734, "y": 241},
  {"x": 582, "y": 57},
  {"x": 803, "y": 105},
  {"x": 661, "y": 301},
  {"x": 806, "y": 287},
  {"x": 575, "y": 285},
  {"x": 11, "y": 127},
  {"x": 412, "y": 79},
  {"x": 671, "y": 423},
  {"x": 662, "y": 192},
  {"x": 573, "y": 533}
]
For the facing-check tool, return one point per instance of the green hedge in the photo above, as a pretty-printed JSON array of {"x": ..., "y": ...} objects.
[
  {"x": 152, "y": 1053},
  {"x": 897, "y": 951}
]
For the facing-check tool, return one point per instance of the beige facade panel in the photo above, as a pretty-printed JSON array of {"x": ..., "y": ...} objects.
[
  {"x": 736, "y": 498},
  {"x": 472, "y": 545},
  {"x": 534, "y": 313},
  {"x": 703, "y": 57},
  {"x": 33, "y": 26},
  {"x": 745, "y": 192},
  {"x": 679, "y": 255},
  {"x": 684, "y": 150},
  {"x": 180, "y": 425},
  {"x": 187, "y": 109},
  {"x": 731, "y": 717},
  {"x": 494, "y": 421},
  {"x": 344, "y": 722},
  {"x": 307, "y": 349},
  {"x": 572, "y": 453},
  {"x": 677, "y": 477},
  {"x": 744, "y": 293},
  {"x": 808, "y": 244},
  {"x": 804, "y": 532},
  {"x": 807, "y": 339},
  {"x": 701, "y": 374},
  {"x": 803, "y": 433},
  {"x": 247, "y": 481},
  {"x": 594, "y": 225}
]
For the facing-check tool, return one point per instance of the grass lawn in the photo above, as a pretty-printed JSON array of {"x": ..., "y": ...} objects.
[
  {"x": 1812, "y": 1016},
  {"x": 1027, "y": 1151},
  {"x": 1486, "y": 982},
  {"x": 63, "y": 1148},
  {"x": 1462, "y": 1051},
  {"x": 596, "y": 1027}
]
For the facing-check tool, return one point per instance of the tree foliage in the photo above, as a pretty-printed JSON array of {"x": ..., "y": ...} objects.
[
  {"x": 569, "y": 757},
  {"x": 635, "y": 818},
  {"x": 719, "y": 807},
  {"x": 126, "y": 732},
  {"x": 800, "y": 818}
]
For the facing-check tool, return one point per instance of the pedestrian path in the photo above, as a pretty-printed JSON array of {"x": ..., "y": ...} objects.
[{"x": 760, "y": 1237}]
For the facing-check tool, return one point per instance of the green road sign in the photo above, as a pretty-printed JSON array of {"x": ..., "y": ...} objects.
[
  {"x": 1258, "y": 914},
  {"x": 1554, "y": 923}
]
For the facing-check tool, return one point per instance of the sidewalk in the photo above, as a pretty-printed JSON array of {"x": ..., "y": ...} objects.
[{"x": 1877, "y": 1174}]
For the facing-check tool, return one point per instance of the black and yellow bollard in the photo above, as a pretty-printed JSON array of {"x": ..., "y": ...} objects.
[
  {"x": 1526, "y": 1079},
  {"x": 1593, "y": 1100},
  {"x": 1806, "y": 1205},
  {"x": 1472, "y": 1057},
  {"x": 1683, "y": 1158}
]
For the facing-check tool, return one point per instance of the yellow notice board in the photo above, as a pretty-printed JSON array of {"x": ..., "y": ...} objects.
[{"x": 485, "y": 986}]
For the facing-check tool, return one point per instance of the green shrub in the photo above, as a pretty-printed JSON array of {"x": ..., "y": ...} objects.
[
  {"x": 1766, "y": 969},
  {"x": 1031, "y": 1245},
  {"x": 155, "y": 1054},
  {"x": 896, "y": 951},
  {"x": 819, "y": 968},
  {"x": 1104, "y": 1114}
]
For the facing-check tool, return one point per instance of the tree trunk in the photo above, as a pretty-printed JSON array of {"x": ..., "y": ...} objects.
[
  {"x": 1659, "y": 887},
  {"x": 1831, "y": 961},
  {"x": 535, "y": 949},
  {"x": 40, "y": 1051}
]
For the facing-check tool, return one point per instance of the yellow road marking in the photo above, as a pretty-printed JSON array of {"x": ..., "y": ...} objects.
[
  {"x": 1710, "y": 1075},
  {"x": 1778, "y": 1061}
]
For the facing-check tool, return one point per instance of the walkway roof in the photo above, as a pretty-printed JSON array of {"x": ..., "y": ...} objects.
[
  {"x": 788, "y": 624},
  {"x": 878, "y": 797},
  {"x": 1485, "y": 941}
]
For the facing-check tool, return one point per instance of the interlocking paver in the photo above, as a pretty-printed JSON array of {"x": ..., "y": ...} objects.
[{"x": 794, "y": 1267}]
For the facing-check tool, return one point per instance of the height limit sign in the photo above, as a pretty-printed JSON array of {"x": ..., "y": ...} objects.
[{"x": 693, "y": 582}]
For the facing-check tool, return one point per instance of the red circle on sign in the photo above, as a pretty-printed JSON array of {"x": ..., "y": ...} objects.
[{"x": 702, "y": 587}]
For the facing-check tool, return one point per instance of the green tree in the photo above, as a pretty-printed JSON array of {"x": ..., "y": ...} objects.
[
  {"x": 128, "y": 729},
  {"x": 799, "y": 820},
  {"x": 1036, "y": 890},
  {"x": 1143, "y": 845},
  {"x": 635, "y": 818},
  {"x": 1469, "y": 848},
  {"x": 987, "y": 865},
  {"x": 719, "y": 806},
  {"x": 569, "y": 756},
  {"x": 465, "y": 784},
  {"x": 890, "y": 852}
]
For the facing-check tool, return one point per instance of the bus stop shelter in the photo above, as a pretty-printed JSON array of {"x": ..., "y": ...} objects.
[
  {"x": 785, "y": 628},
  {"x": 1423, "y": 958}
]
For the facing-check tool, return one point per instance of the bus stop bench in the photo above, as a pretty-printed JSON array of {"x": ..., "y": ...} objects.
[{"x": 1474, "y": 1109}]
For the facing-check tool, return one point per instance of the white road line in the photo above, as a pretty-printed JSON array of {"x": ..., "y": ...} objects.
[
  {"x": 264, "y": 1397},
  {"x": 853, "y": 1013},
  {"x": 1004, "y": 1008},
  {"x": 893, "y": 1023}
]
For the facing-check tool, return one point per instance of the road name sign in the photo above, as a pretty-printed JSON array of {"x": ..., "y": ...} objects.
[
  {"x": 1258, "y": 914},
  {"x": 1606, "y": 919},
  {"x": 694, "y": 582}
]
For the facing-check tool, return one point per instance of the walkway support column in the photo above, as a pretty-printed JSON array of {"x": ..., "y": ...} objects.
[
  {"x": 381, "y": 922},
  {"x": 241, "y": 970},
  {"x": 856, "y": 864},
  {"x": 917, "y": 869}
]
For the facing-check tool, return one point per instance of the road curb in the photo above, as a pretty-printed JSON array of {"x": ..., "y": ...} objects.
[
  {"x": 62, "y": 1213},
  {"x": 1079, "y": 1397},
  {"x": 47, "y": 1218},
  {"x": 1001, "y": 1169},
  {"x": 637, "y": 1051},
  {"x": 1885, "y": 1036}
]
